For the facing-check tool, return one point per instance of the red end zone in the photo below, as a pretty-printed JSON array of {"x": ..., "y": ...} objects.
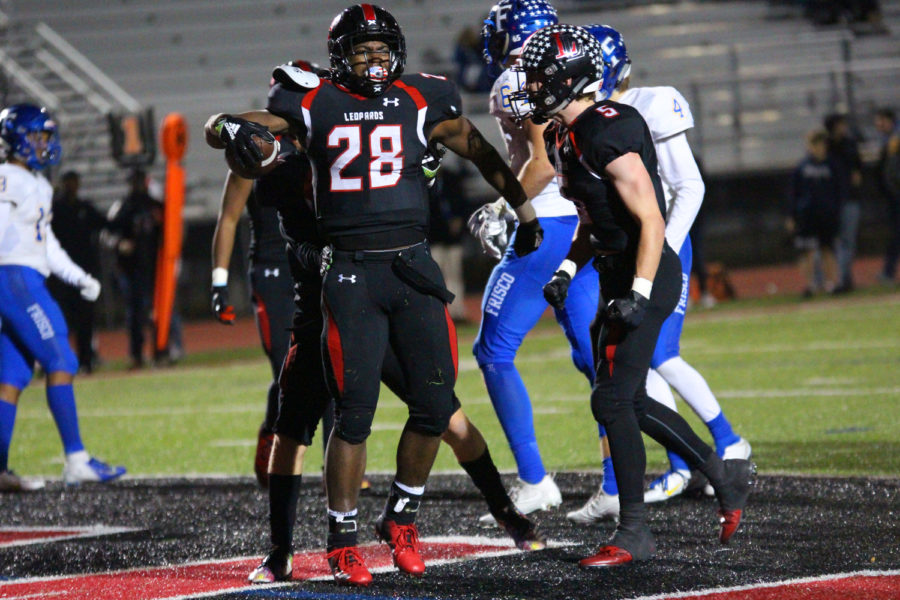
[{"x": 194, "y": 579}]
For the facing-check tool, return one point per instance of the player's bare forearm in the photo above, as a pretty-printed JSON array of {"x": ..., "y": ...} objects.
[
  {"x": 580, "y": 251},
  {"x": 461, "y": 136},
  {"x": 650, "y": 246},
  {"x": 234, "y": 198},
  {"x": 537, "y": 171},
  {"x": 635, "y": 187}
]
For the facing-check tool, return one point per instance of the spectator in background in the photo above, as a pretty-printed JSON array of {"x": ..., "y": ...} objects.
[
  {"x": 472, "y": 75},
  {"x": 77, "y": 225},
  {"x": 448, "y": 211},
  {"x": 136, "y": 223},
  {"x": 843, "y": 152},
  {"x": 814, "y": 215},
  {"x": 889, "y": 185}
]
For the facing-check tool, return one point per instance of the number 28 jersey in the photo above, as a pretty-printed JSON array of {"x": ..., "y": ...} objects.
[
  {"x": 366, "y": 155},
  {"x": 581, "y": 152}
]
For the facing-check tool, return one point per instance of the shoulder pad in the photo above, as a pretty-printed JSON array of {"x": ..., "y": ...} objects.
[
  {"x": 666, "y": 111},
  {"x": 295, "y": 78}
]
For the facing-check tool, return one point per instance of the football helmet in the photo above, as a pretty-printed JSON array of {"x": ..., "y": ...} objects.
[
  {"x": 31, "y": 135},
  {"x": 363, "y": 23},
  {"x": 509, "y": 24},
  {"x": 615, "y": 55},
  {"x": 560, "y": 62}
]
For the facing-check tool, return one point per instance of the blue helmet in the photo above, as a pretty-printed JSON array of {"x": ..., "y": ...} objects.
[
  {"x": 18, "y": 125},
  {"x": 509, "y": 24},
  {"x": 615, "y": 55}
]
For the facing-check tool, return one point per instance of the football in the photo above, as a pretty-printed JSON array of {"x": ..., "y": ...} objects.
[{"x": 269, "y": 150}]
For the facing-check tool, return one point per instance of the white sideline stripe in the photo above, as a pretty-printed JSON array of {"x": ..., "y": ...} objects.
[
  {"x": 772, "y": 584},
  {"x": 77, "y": 532}
]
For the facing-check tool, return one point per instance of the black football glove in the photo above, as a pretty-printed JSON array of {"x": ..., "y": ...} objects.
[
  {"x": 556, "y": 290},
  {"x": 629, "y": 311},
  {"x": 221, "y": 308},
  {"x": 528, "y": 237},
  {"x": 312, "y": 258},
  {"x": 237, "y": 135}
]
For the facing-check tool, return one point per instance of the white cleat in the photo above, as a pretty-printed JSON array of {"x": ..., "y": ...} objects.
[
  {"x": 528, "y": 498},
  {"x": 740, "y": 449},
  {"x": 78, "y": 471},
  {"x": 666, "y": 486},
  {"x": 10, "y": 482},
  {"x": 599, "y": 507}
]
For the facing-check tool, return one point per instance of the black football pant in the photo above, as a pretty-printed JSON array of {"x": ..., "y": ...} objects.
[
  {"x": 619, "y": 397},
  {"x": 369, "y": 307},
  {"x": 272, "y": 294}
]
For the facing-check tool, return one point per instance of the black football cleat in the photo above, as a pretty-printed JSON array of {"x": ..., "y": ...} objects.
[
  {"x": 274, "y": 567},
  {"x": 739, "y": 476},
  {"x": 521, "y": 529}
]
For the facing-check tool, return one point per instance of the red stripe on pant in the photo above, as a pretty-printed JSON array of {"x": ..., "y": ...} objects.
[
  {"x": 451, "y": 334},
  {"x": 335, "y": 352},
  {"x": 262, "y": 320},
  {"x": 610, "y": 355}
]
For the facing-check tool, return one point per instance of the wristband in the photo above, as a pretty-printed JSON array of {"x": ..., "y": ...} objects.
[
  {"x": 219, "y": 277},
  {"x": 642, "y": 286},
  {"x": 569, "y": 267}
]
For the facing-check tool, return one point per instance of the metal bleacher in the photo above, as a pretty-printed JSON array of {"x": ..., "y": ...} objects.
[{"x": 756, "y": 81}]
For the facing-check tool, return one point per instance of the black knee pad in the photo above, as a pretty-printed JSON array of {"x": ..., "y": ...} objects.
[
  {"x": 434, "y": 423},
  {"x": 353, "y": 426}
]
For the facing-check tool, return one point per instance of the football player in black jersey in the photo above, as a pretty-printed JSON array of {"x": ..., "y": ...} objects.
[
  {"x": 304, "y": 396},
  {"x": 366, "y": 131},
  {"x": 606, "y": 162}
]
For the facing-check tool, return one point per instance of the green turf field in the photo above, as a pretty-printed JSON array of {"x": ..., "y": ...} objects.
[{"x": 814, "y": 386}]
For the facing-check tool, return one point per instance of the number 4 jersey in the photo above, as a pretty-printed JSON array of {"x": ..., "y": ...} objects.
[{"x": 366, "y": 155}]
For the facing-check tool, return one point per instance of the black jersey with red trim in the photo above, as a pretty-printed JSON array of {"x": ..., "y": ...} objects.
[
  {"x": 581, "y": 153},
  {"x": 366, "y": 154}
]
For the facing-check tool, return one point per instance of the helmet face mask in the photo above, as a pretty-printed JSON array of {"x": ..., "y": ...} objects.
[
  {"x": 615, "y": 56},
  {"x": 31, "y": 135},
  {"x": 364, "y": 24},
  {"x": 559, "y": 64},
  {"x": 509, "y": 24}
]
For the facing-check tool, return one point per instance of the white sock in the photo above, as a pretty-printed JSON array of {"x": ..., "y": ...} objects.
[
  {"x": 691, "y": 386},
  {"x": 80, "y": 457},
  {"x": 659, "y": 390},
  {"x": 417, "y": 490}
]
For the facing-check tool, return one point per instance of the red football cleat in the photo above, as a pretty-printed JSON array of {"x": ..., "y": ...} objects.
[
  {"x": 348, "y": 567},
  {"x": 607, "y": 556},
  {"x": 729, "y": 520},
  {"x": 404, "y": 543},
  {"x": 261, "y": 463}
]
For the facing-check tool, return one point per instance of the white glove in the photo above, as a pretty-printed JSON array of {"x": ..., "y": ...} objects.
[
  {"x": 488, "y": 224},
  {"x": 90, "y": 288}
]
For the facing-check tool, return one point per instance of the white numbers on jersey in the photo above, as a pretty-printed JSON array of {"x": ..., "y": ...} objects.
[
  {"x": 505, "y": 90},
  {"x": 677, "y": 108},
  {"x": 607, "y": 111},
  {"x": 385, "y": 146}
]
